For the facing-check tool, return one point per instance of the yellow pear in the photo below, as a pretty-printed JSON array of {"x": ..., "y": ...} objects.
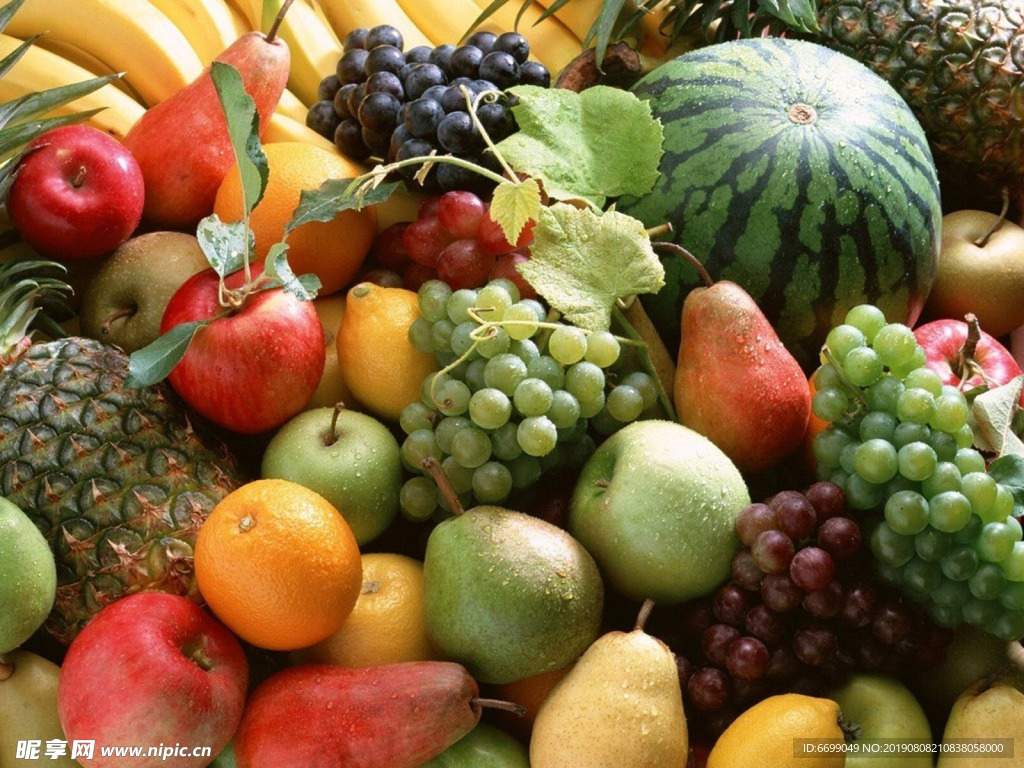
[
  {"x": 619, "y": 707},
  {"x": 987, "y": 710},
  {"x": 28, "y": 709}
]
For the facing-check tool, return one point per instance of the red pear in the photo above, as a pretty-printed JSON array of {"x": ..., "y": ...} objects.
[{"x": 182, "y": 144}]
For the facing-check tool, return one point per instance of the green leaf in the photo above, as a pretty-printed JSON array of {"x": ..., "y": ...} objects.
[
  {"x": 603, "y": 27},
  {"x": 799, "y": 14},
  {"x": 589, "y": 146},
  {"x": 244, "y": 129},
  {"x": 155, "y": 361},
  {"x": 225, "y": 244},
  {"x": 993, "y": 413},
  {"x": 14, "y": 137},
  {"x": 1009, "y": 471},
  {"x": 39, "y": 103},
  {"x": 514, "y": 203},
  {"x": 583, "y": 261},
  {"x": 8, "y": 11},
  {"x": 334, "y": 196},
  {"x": 303, "y": 288}
]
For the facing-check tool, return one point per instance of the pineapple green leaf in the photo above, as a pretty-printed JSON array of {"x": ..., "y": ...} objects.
[
  {"x": 244, "y": 129},
  {"x": 13, "y": 137},
  {"x": 604, "y": 26},
  {"x": 798, "y": 14},
  {"x": 7, "y": 12},
  {"x": 155, "y": 361},
  {"x": 337, "y": 195},
  {"x": 303, "y": 287},
  {"x": 225, "y": 244},
  {"x": 7, "y": 62},
  {"x": 36, "y": 104}
]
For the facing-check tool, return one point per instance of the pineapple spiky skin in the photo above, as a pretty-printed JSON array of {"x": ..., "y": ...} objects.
[{"x": 116, "y": 479}]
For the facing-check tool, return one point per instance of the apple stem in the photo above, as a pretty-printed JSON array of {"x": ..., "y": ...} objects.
[
  {"x": 965, "y": 357},
  {"x": 660, "y": 230},
  {"x": 6, "y": 668},
  {"x": 272, "y": 32},
  {"x": 505, "y": 706},
  {"x": 105, "y": 328},
  {"x": 433, "y": 466},
  {"x": 332, "y": 436},
  {"x": 79, "y": 178},
  {"x": 982, "y": 241},
  {"x": 200, "y": 658},
  {"x": 678, "y": 250},
  {"x": 643, "y": 615}
]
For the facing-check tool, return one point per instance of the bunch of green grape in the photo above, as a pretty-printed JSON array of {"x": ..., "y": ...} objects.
[
  {"x": 900, "y": 441},
  {"x": 516, "y": 396}
]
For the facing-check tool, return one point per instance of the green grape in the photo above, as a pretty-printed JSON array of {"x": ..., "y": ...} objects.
[
  {"x": 459, "y": 304},
  {"x": 420, "y": 335},
  {"x": 916, "y": 405},
  {"x": 897, "y": 484},
  {"x": 573, "y": 431},
  {"x": 458, "y": 371},
  {"x": 475, "y": 374},
  {"x": 509, "y": 287},
  {"x": 504, "y": 372},
  {"x": 964, "y": 436},
  {"x": 525, "y": 471},
  {"x": 828, "y": 404},
  {"x": 624, "y": 403},
  {"x": 946, "y": 617},
  {"x": 490, "y": 408},
  {"x": 946, "y": 477},
  {"x": 533, "y": 397},
  {"x": 970, "y": 532},
  {"x": 584, "y": 380},
  {"x": 842, "y": 339},
  {"x": 1007, "y": 626},
  {"x": 827, "y": 376},
  {"x": 459, "y": 476},
  {"x": 416, "y": 416},
  {"x": 875, "y": 460},
  {"x": 548, "y": 370},
  {"x": 895, "y": 343},
  {"x": 980, "y": 489},
  {"x": 891, "y": 548},
  {"x": 995, "y": 542},
  {"x": 644, "y": 384},
  {"x": 839, "y": 477},
  {"x": 866, "y": 318},
  {"x": 604, "y": 423},
  {"x": 567, "y": 344},
  {"x": 602, "y": 349},
  {"x": 863, "y": 366},
  {"x": 537, "y": 435},
  {"x": 1014, "y": 564},
  {"x": 950, "y": 413},
  {"x": 932, "y": 545},
  {"x": 564, "y": 409},
  {"x": 906, "y": 512},
  {"x": 447, "y": 428},
  {"x": 493, "y": 301},
  {"x": 850, "y": 421},
  {"x": 952, "y": 594},
  {"x": 441, "y": 335},
  {"x": 453, "y": 397},
  {"x": 916, "y": 461},
  {"x": 909, "y": 432},
  {"x": 504, "y": 443},
  {"x": 944, "y": 445},
  {"x": 979, "y": 613},
  {"x": 525, "y": 349},
  {"x": 847, "y": 457},
  {"x": 428, "y": 386},
  {"x": 538, "y": 309},
  {"x": 987, "y": 581},
  {"x": 577, "y": 452},
  {"x": 417, "y": 446},
  {"x": 523, "y": 321},
  {"x": 877, "y": 424},
  {"x": 552, "y": 460},
  {"x": 492, "y": 482},
  {"x": 889, "y": 574},
  {"x": 471, "y": 447},
  {"x": 433, "y": 298},
  {"x": 461, "y": 338},
  {"x": 949, "y": 511},
  {"x": 884, "y": 394},
  {"x": 418, "y": 498},
  {"x": 961, "y": 563},
  {"x": 828, "y": 445},
  {"x": 1004, "y": 501},
  {"x": 494, "y": 343},
  {"x": 1016, "y": 530},
  {"x": 1012, "y": 596},
  {"x": 924, "y": 378},
  {"x": 918, "y": 359},
  {"x": 445, "y": 358},
  {"x": 465, "y": 501},
  {"x": 590, "y": 408},
  {"x": 968, "y": 460},
  {"x": 921, "y": 576}
]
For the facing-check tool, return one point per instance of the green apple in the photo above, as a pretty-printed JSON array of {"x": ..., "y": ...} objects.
[
  {"x": 976, "y": 275},
  {"x": 28, "y": 577},
  {"x": 349, "y": 458},
  {"x": 656, "y": 505},
  {"x": 882, "y": 708},
  {"x": 483, "y": 747}
]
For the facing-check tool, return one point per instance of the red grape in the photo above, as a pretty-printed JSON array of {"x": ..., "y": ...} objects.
[
  {"x": 773, "y": 551},
  {"x": 765, "y": 624},
  {"x": 715, "y": 642},
  {"x": 814, "y": 644},
  {"x": 428, "y": 207},
  {"x": 891, "y": 624},
  {"x": 752, "y": 521},
  {"x": 385, "y": 278},
  {"x": 826, "y": 602},
  {"x": 389, "y": 249},
  {"x": 858, "y": 607},
  {"x": 780, "y": 593},
  {"x": 828, "y": 500},
  {"x": 424, "y": 239},
  {"x": 460, "y": 212},
  {"x": 464, "y": 264},
  {"x": 416, "y": 275},
  {"x": 795, "y": 516},
  {"x": 783, "y": 665},
  {"x": 506, "y": 268},
  {"x": 747, "y": 658},
  {"x": 492, "y": 238},
  {"x": 730, "y": 605},
  {"x": 812, "y": 568},
  {"x": 745, "y": 572},
  {"x": 840, "y": 537},
  {"x": 708, "y": 688}
]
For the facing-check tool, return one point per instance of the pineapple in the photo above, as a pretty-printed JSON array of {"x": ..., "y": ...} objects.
[{"x": 116, "y": 479}]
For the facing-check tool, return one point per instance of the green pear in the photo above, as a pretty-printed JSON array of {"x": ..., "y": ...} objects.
[
  {"x": 28, "y": 577},
  {"x": 507, "y": 595},
  {"x": 483, "y": 747},
  {"x": 883, "y": 708},
  {"x": 28, "y": 708},
  {"x": 991, "y": 708},
  {"x": 619, "y": 707}
]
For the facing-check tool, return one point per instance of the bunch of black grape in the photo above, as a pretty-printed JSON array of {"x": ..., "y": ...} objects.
[
  {"x": 801, "y": 612},
  {"x": 396, "y": 105}
]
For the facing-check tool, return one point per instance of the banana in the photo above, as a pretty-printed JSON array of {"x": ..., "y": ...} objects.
[
  {"x": 551, "y": 43},
  {"x": 206, "y": 24},
  {"x": 239, "y": 19},
  {"x": 283, "y": 128},
  {"x": 577, "y": 15},
  {"x": 346, "y": 15},
  {"x": 443, "y": 21},
  {"x": 656, "y": 41},
  {"x": 130, "y": 35},
  {"x": 86, "y": 61},
  {"x": 314, "y": 48},
  {"x": 291, "y": 105},
  {"x": 39, "y": 69},
  {"x": 252, "y": 10}
]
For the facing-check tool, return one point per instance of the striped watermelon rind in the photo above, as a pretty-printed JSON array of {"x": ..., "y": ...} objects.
[{"x": 811, "y": 211}]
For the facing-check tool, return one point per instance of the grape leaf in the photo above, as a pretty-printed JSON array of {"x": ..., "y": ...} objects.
[
  {"x": 224, "y": 243},
  {"x": 276, "y": 266},
  {"x": 993, "y": 413},
  {"x": 334, "y": 196},
  {"x": 583, "y": 261},
  {"x": 1009, "y": 471},
  {"x": 514, "y": 203},
  {"x": 244, "y": 129},
  {"x": 589, "y": 146},
  {"x": 153, "y": 362}
]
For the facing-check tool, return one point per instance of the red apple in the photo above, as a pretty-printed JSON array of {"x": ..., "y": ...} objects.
[
  {"x": 253, "y": 367},
  {"x": 942, "y": 341},
  {"x": 77, "y": 195},
  {"x": 153, "y": 670}
]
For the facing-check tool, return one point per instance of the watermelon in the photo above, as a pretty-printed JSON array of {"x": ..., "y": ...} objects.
[{"x": 798, "y": 173}]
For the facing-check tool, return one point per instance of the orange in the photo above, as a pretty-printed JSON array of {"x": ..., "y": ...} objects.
[
  {"x": 381, "y": 367},
  {"x": 806, "y": 451},
  {"x": 530, "y": 692},
  {"x": 333, "y": 250},
  {"x": 388, "y": 624},
  {"x": 278, "y": 565}
]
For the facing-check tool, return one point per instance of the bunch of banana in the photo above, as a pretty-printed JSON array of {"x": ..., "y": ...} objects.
[
  {"x": 314, "y": 47},
  {"x": 208, "y": 25}
]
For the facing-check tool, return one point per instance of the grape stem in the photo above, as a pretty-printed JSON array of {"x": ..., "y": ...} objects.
[
  {"x": 435, "y": 470},
  {"x": 648, "y": 364},
  {"x": 853, "y": 388},
  {"x": 471, "y": 107}
]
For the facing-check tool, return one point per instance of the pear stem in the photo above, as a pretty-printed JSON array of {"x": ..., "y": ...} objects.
[
  {"x": 982, "y": 241},
  {"x": 332, "y": 436},
  {"x": 643, "y": 615},
  {"x": 505, "y": 706},
  {"x": 433, "y": 466},
  {"x": 272, "y": 33},
  {"x": 678, "y": 250},
  {"x": 126, "y": 312},
  {"x": 6, "y": 668}
]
